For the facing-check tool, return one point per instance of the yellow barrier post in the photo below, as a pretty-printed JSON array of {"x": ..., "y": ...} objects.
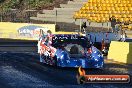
[{"x": 120, "y": 52}]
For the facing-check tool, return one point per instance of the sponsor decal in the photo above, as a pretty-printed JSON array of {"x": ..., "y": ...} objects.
[
  {"x": 32, "y": 31},
  {"x": 83, "y": 78}
]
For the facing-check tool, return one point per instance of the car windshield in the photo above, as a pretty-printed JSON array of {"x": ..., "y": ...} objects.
[
  {"x": 59, "y": 40},
  {"x": 73, "y": 44}
]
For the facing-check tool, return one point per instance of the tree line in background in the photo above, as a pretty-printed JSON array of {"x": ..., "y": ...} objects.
[
  {"x": 22, "y": 4},
  {"x": 20, "y": 10}
]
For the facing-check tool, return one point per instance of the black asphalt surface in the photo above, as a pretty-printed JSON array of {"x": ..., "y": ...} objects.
[
  {"x": 14, "y": 45},
  {"x": 23, "y": 70}
]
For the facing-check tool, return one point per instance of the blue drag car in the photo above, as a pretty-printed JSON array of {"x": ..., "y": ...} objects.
[{"x": 69, "y": 51}]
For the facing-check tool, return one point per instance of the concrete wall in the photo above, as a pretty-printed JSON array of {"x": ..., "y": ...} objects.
[
  {"x": 120, "y": 52},
  {"x": 99, "y": 36},
  {"x": 13, "y": 27},
  {"x": 10, "y": 30}
]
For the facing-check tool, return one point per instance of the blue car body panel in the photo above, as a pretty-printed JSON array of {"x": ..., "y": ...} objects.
[
  {"x": 96, "y": 60},
  {"x": 63, "y": 58}
]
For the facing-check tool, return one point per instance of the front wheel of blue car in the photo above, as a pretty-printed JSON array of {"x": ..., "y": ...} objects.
[
  {"x": 48, "y": 60},
  {"x": 54, "y": 61}
]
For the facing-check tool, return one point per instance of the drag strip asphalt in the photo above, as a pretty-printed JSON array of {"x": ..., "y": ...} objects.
[
  {"x": 23, "y": 70},
  {"x": 20, "y": 68}
]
